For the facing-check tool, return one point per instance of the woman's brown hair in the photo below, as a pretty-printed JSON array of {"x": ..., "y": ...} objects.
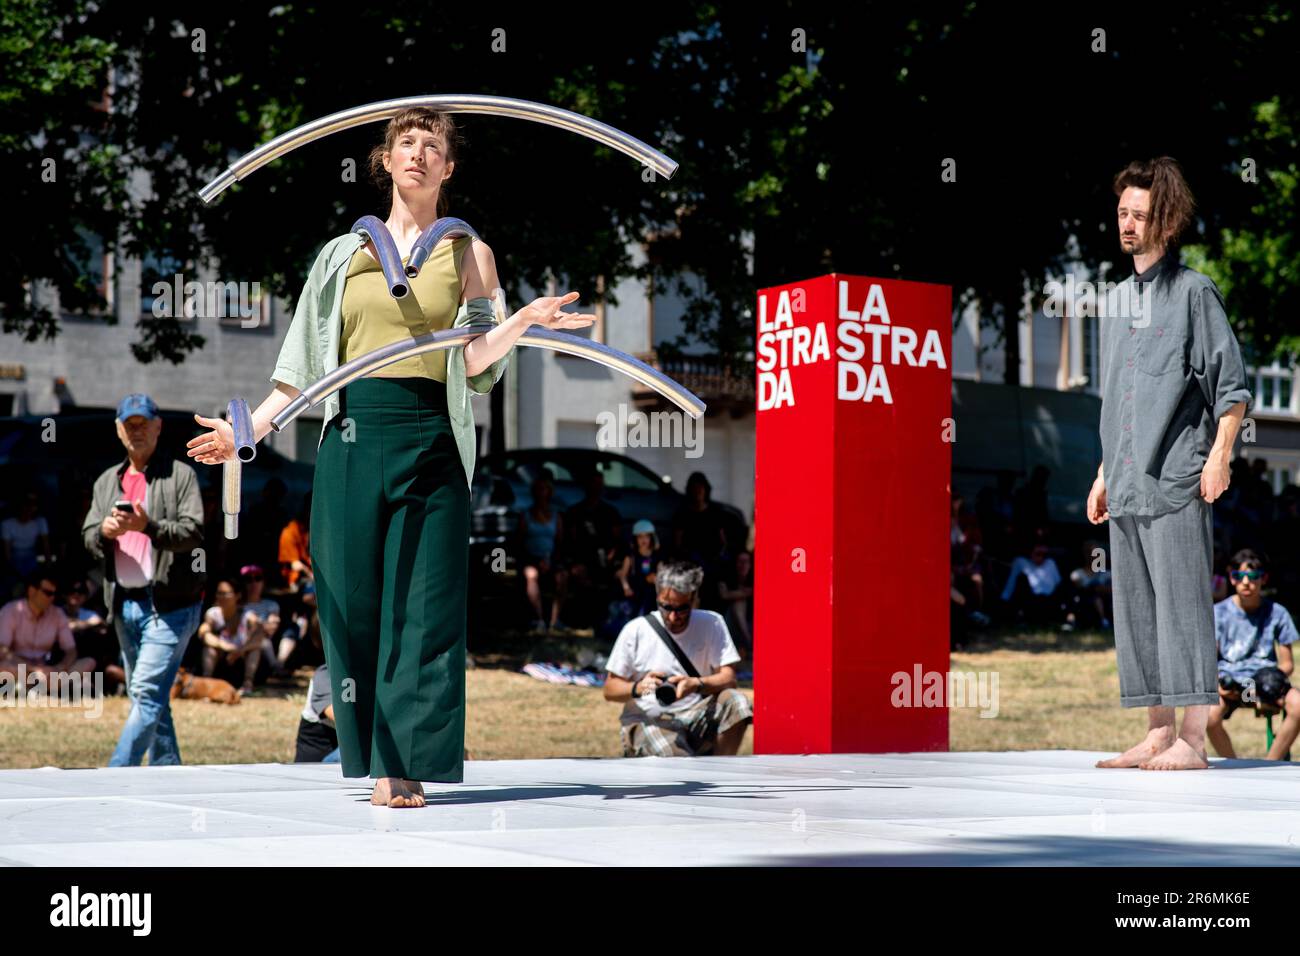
[
  {"x": 421, "y": 118},
  {"x": 1172, "y": 205}
]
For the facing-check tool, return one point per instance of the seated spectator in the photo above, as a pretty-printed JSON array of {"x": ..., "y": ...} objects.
[
  {"x": 317, "y": 740},
  {"x": 74, "y": 606},
  {"x": 636, "y": 578},
  {"x": 737, "y": 592},
  {"x": 25, "y": 539},
  {"x": 540, "y": 531},
  {"x": 636, "y": 575},
  {"x": 264, "y": 611},
  {"x": 95, "y": 639},
  {"x": 966, "y": 561},
  {"x": 1031, "y": 592},
  {"x": 667, "y": 710},
  {"x": 295, "y": 542},
  {"x": 1251, "y": 671},
  {"x": 232, "y": 641},
  {"x": 29, "y": 629},
  {"x": 1090, "y": 598}
]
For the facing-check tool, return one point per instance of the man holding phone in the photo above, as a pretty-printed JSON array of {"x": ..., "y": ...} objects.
[{"x": 145, "y": 525}]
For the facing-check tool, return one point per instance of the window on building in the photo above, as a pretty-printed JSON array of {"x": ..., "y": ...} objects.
[
  {"x": 95, "y": 261},
  {"x": 1274, "y": 387},
  {"x": 162, "y": 287},
  {"x": 245, "y": 306}
]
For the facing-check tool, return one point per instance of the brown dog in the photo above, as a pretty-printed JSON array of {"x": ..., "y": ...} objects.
[{"x": 191, "y": 687}]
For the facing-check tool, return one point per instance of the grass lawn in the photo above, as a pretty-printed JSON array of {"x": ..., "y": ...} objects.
[{"x": 1054, "y": 692}]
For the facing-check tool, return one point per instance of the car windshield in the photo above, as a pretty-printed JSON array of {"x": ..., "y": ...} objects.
[{"x": 570, "y": 469}]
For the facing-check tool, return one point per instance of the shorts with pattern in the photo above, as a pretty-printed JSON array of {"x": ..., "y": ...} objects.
[{"x": 687, "y": 733}]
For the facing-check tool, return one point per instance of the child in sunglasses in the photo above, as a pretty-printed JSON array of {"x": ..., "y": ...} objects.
[{"x": 1252, "y": 671}]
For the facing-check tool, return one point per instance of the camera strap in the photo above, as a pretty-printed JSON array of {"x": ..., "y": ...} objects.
[{"x": 672, "y": 645}]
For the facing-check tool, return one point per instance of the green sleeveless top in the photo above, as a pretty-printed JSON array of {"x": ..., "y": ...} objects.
[{"x": 373, "y": 318}]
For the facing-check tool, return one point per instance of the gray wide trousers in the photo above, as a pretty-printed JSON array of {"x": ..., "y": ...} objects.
[{"x": 1161, "y": 572}]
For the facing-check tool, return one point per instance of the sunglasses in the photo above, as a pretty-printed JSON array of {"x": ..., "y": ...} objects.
[
  {"x": 674, "y": 608},
  {"x": 1246, "y": 575},
  {"x": 47, "y": 592}
]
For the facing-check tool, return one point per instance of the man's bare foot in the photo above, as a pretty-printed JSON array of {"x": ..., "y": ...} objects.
[
  {"x": 1181, "y": 756},
  {"x": 415, "y": 787},
  {"x": 1157, "y": 740},
  {"x": 395, "y": 792}
]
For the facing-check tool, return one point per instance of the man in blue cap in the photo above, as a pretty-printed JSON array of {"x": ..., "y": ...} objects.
[{"x": 145, "y": 524}]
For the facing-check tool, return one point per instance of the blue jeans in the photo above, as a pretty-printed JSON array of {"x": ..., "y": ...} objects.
[{"x": 152, "y": 648}]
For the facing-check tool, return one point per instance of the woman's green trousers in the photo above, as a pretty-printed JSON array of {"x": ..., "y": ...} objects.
[{"x": 390, "y": 554}]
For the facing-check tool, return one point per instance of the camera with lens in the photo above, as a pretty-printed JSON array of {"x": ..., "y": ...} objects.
[{"x": 666, "y": 693}]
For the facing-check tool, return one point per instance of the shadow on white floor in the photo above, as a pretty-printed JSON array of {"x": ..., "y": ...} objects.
[{"x": 1041, "y": 808}]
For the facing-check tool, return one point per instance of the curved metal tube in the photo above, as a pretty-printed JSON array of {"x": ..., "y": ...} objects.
[
  {"x": 449, "y": 103},
  {"x": 437, "y": 231},
  {"x": 363, "y": 365},
  {"x": 373, "y": 228},
  {"x": 232, "y": 471}
]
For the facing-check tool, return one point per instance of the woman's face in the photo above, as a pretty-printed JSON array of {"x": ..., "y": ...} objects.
[
  {"x": 226, "y": 594},
  {"x": 645, "y": 541},
  {"x": 418, "y": 162}
]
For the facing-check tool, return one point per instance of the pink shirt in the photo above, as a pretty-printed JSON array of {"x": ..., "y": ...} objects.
[
  {"x": 30, "y": 636},
  {"x": 134, "y": 552}
]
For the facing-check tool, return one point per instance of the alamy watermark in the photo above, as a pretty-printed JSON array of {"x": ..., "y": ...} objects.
[
  {"x": 209, "y": 300},
  {"x": 1105, "y": 300},
  {"x": 946, "y": 689},
  {"x": 40, "y": 688},
  {"x": 636, "y": 429}
]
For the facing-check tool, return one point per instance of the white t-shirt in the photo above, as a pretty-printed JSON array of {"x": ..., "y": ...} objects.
[
  {"x": 237, "y": 634},
  {"x": 217, "y": 621},
  {"x": 1043, "y": 578},
  {"x": 640, "y": 650}
]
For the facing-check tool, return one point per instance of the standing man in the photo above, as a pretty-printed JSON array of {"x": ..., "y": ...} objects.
[
  {"x": 1173, "y": 397},
  {"x": 152, "y": 590}
]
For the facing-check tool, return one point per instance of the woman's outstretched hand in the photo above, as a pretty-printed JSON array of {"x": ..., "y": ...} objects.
[
  {"x": 213, "y": 447},
  {"x": 545, "y": 312}
]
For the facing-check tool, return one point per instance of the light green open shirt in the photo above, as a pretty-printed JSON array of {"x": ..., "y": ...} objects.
[{"x": 311, "y": 346}]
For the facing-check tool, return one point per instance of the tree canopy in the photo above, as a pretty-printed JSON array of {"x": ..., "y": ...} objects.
[{"x": 824, "y": 134}]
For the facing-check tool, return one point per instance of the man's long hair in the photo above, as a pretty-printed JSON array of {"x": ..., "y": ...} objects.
[{"x": 1172, "y": 204}]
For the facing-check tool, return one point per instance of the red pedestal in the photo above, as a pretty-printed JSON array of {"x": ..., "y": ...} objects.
[{"x": 851, "y": 513}]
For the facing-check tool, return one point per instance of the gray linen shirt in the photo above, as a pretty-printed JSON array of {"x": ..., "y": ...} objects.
[{"x": 1166, "y": 379}]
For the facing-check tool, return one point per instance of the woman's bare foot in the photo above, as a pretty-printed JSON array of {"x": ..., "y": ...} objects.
[
  {"x": 1156, "y": 741},
  {"x": 1181, "y": 756},
  {"x": 395, "y": 792}
]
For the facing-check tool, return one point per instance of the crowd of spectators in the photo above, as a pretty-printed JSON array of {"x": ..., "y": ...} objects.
[
  {"x": 1012, "y": 565},
  {"x": 585, "y": 564}
]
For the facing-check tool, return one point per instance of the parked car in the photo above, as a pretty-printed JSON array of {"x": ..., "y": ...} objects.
[{"x": 502, "y": 488}]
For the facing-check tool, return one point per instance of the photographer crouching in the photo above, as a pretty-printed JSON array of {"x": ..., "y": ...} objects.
[{"x": 672, "y": 671}]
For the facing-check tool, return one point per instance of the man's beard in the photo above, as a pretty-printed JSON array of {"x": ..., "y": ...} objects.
[{"x": 1137, "y": 248}]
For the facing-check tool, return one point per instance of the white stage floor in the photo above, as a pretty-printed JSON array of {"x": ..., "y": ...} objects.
[{"x": 1009, "y": 809}]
